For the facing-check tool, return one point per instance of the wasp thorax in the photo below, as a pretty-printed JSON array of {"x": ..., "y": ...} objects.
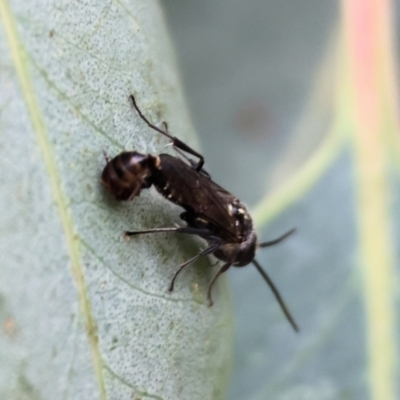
[{"x": 128, "y": 173}]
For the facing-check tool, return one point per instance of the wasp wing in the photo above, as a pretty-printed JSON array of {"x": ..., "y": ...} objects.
[{"x": 208, "y": 205}]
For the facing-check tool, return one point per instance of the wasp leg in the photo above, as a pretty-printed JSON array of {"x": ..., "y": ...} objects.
[
  {"x": 224, "y": 268},
  {"x": 192, "y": 163},
  {"x": 188, "y": 159},
  {"x": 175, "y": 141},
  {"x": 204, "y": 252},
  {"x": 178, "y": 229}
]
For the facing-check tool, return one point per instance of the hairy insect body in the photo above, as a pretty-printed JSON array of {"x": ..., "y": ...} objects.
[
  {"x": 208, "y": 207},
  {"x": 210, "y": 211},
  {"x": 206, "y": 203}
]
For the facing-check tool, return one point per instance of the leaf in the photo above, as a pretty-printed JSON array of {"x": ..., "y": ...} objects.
[{"x": 83, "y": 313}]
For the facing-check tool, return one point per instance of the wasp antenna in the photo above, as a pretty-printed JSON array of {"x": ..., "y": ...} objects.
[
  {"x": 276, "y": 294},
  {"x": 278, "y": 240}
]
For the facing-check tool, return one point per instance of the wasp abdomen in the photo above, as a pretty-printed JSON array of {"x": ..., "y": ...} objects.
[{"x": 128, "y": 173}]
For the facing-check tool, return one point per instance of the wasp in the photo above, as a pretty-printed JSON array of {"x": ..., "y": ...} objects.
[{"x": 210, "y": 211}]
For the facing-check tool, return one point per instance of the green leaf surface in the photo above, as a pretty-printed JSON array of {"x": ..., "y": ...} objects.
[{"x": 83, "y": 313}]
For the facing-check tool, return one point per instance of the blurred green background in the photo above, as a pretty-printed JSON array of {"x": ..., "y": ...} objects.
[
  {"x": 262, "y": 82},
  {"x": 247, "y": 69}
]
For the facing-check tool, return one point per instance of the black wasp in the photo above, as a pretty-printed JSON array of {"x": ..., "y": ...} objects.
[{"x": 211, "y": 212}]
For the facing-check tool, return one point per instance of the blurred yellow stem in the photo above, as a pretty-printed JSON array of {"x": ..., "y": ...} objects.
[{"x": 371, "y": 80}]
